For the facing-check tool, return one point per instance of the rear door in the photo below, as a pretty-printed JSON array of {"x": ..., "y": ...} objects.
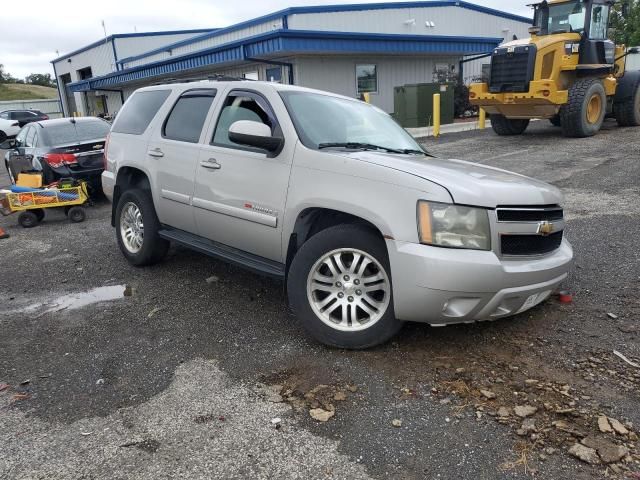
[{"x": 174, "y": 150}]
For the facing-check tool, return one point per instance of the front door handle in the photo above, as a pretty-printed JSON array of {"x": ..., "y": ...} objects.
[
  {"x": 156, "y": 152},
  {"x": 211, "y": 163}
]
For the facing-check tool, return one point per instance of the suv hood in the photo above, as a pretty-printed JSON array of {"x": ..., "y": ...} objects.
[{"x": 470, "y": 183}]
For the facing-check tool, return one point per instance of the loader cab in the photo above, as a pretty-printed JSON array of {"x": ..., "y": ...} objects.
[{"x": 589, "y": 18}]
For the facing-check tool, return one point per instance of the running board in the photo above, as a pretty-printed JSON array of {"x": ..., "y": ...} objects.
[{"x": 241, "y": 258}]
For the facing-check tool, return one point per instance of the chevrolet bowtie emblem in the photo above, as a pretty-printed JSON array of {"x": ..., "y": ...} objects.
[{"x": 546, "y": 228}]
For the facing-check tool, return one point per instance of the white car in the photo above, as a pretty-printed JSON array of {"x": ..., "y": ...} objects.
[{"x": 8, "y": 129}]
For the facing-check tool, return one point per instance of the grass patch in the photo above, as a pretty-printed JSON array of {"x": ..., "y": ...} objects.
[{"x": 26, "y": 92}]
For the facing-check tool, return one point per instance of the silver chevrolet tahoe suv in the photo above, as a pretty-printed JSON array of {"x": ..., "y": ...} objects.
[{"x": 328, "y": 193}]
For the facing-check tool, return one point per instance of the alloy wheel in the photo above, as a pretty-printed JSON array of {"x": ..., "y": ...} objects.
[
  {"x": 348, "y": 290},
  {"x": 132, "y": 227}
]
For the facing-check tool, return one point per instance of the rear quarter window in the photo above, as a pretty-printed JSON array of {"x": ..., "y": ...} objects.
[{"x": 136, "y": 115}]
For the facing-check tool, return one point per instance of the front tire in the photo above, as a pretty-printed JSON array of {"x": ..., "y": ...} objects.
[
  {"x": 584, "y": 115},
  {"x": 504, "y": 126},
  {"x": 340, "y": 288},
  {"x": 137, "y": 229},
  {"x": 628, "y": 113}
]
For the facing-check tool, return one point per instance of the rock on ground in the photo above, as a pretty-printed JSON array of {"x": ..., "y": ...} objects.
[{"x": 586, "y": 454}]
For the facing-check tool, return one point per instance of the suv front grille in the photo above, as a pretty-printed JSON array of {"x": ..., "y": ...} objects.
[
  {"x": 530, "y": 244},
  {"x": 530, "y": 230},
  {"x": 512, "y": 69},
  {"x": 533, "y": 214}
]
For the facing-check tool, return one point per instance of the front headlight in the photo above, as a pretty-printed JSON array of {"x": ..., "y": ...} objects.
[{"x": 453, "y": 226}]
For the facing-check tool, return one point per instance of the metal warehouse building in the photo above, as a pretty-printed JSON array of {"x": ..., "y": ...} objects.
[{"x": 347, "y": 49}]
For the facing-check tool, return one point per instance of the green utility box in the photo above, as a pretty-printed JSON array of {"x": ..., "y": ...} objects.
[{"x": 413, "y": 104}]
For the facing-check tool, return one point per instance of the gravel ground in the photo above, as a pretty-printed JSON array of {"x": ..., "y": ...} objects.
[{"x": 180, "y": 377}]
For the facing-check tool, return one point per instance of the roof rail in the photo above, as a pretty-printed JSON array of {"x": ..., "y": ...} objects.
[{"x": 211, "y": 78}]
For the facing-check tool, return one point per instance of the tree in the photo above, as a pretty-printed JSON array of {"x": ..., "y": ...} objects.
[
  {"x": 625, "y": 22},
  {"x": 40, "y": 79}
]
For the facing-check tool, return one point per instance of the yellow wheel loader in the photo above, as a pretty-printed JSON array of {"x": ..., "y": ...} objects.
[{"x": 568, "y": 72}]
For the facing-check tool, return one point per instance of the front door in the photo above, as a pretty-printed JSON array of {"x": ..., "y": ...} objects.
[
  {"x": 240, "y": 192},
  {"x": 174, "y": 149}
]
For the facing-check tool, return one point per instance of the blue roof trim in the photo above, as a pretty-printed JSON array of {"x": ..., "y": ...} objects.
[
  {"x": 110, "y": 38},
  {"x": 283, "y": 14},
  {"x": 295, "y": 41}
]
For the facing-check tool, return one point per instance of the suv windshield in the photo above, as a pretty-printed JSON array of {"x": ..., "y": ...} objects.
[
  {"x": 562, "y": 18},
  {"x": 324, "y": 121}
]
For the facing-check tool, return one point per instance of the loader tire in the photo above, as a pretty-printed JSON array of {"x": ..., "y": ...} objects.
[
  {"x": 505, "y": 126},
  {"x": 555, "y": 121},
  {"x": 628, "y": 113},
  {"x": 584, "y": 114}
]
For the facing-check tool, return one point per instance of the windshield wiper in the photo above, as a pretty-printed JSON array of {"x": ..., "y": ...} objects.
[
  {"x": 408, "y": 151},
  {"x": 358, "y": 146}
]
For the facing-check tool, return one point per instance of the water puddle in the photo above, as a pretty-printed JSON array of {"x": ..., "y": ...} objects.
[{"x": 75, "y": 301}]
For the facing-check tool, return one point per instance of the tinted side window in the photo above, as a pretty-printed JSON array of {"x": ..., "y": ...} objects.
[
  {"x": 22, "y": 135},
  {"x": 240, "y": 106},
  {"x": 135, "y": 116},
  {"x": 187, "y": 117},
  {"x": 31, "y": 136}
]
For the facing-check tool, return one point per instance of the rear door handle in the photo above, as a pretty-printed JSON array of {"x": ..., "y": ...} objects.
[
  {"x": 211, "y": 163},
  {"x": 156, "y": 152}
]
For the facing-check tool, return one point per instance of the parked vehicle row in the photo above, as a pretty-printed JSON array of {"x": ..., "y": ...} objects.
[
  {"x": 328, "y": 193},
  {"x": 59, "y": 148}
]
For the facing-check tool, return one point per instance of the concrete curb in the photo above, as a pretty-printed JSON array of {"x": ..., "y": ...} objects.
[{"x": 450, "y": 128}]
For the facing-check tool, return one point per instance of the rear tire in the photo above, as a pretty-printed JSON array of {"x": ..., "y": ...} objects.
[
  {"x": 584, "y": 114},
  {"x": 504, "y": 126},
  {"x": 628, "y": 113},
  {"x": 28, "y": 219},
  {"x": 555, "y": 121},
  {"x": 3, "y": 136},
  {"x": 137, "y": 229},
  {"x": 348, "y": 286}
]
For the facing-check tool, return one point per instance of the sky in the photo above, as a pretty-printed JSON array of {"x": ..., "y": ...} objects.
[{"x": 35, "y": 32}]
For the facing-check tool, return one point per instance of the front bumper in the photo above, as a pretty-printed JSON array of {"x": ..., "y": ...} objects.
[
  {"x": 443, "y": 286},
  {"x": 543, "y": 100}
]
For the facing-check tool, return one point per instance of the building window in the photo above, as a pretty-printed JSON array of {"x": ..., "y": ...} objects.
[
  {"x": 274, "y": 74},
  {"x": 251, "y": 76},
  {"x": 367, "y": 79}
]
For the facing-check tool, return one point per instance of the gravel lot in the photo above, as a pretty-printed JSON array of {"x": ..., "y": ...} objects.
[{"x": 182, "y": 376}]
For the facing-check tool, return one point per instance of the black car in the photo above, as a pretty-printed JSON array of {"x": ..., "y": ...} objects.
[
  {"x": 60, "y": 148},
  {"x": 24, "y": 116}
]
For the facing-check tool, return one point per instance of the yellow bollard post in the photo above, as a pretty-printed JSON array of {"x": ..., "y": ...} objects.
[
  {"x": 482, "y": 120},
  {"x": 436, "y": 114}
]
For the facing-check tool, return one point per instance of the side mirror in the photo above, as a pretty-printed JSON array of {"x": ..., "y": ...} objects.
[
  {"x": 633, "y": 51},
  {"x": 9, "y": 144},
  {"x": 254, "y": 134}
]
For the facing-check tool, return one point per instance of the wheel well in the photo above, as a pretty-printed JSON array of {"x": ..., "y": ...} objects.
[
  {"x": 128, "y": 178},
  {"x": 314, "y": 220}
]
